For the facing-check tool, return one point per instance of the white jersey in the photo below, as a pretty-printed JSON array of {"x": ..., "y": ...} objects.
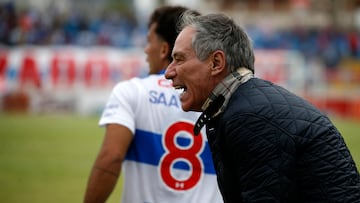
[{"x": 165, "y": 163}]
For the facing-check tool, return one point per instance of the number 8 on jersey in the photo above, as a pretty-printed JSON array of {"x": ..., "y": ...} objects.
[{"x": 177, "y": 154}]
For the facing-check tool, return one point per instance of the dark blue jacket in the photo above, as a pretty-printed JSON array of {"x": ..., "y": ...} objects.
[{"x": 272, "y": 146}]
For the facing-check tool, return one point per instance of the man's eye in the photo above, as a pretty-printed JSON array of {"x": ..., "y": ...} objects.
[{"x": 178, "y": 59}]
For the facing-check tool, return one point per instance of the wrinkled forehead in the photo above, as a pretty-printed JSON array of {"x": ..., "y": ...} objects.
[
  {"x": 187, "y": 32},
  {"x": 183, "y": 41}
]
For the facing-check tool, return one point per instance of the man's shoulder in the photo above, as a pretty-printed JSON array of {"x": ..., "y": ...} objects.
[
  {"x": 154, "y": 81},
  {"x": 140, "y": 81},
  {"x": 148, "y": 79},
  {"x": 155, "y": 87}
]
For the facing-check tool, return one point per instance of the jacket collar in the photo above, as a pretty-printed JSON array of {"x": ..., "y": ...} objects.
[{"x": 220, "y": 96}]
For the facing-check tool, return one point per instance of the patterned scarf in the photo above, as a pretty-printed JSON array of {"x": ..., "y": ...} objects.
[{"x": 220, "y": 96}]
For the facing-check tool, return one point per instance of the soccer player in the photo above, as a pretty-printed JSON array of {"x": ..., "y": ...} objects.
[{"x": 149, "y": 138}]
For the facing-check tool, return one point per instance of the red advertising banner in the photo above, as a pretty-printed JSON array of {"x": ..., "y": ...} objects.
[
  {"x": 80, "y": 79},
  {"x": 67, "y": 67}
]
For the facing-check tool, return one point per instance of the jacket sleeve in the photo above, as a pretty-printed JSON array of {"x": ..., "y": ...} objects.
[{"x": 263, "y": 156}]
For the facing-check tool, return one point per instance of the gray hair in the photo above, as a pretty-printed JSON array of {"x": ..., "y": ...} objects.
[{"x": 220, "y": 32}]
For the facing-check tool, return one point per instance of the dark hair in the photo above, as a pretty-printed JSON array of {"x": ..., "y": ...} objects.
[{"x": 166, "y": 19}]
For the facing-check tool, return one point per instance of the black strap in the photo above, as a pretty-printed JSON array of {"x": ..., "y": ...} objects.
[{"x": 208, "y": 113}]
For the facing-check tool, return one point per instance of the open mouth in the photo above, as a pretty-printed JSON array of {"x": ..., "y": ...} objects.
[{"x": 180, "y": 89}]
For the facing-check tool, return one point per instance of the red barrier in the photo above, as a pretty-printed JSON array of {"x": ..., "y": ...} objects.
[
  {"x": 29, "y": 72},
  {"x": 344, "y": 107},
  {"x": 63, "y": 70},
  {"x": 355, "y": 109},
  {"x": 3, "y": 63}
]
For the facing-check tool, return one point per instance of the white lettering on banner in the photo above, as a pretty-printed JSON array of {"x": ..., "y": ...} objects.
[
  {"x": 272, "y": 66},
  {"x": 282, "y": 67}
]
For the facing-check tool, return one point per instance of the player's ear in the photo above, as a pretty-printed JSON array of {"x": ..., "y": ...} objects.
[
  {"x": 164, "y": 50},
  {"x": 217, "y": 62}
]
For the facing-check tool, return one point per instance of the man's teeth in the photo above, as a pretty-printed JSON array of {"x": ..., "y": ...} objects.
[{"x": 180, "y": 89}]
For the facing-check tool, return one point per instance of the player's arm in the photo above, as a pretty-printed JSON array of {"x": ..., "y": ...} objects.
[{"x": 107, "y": 166}]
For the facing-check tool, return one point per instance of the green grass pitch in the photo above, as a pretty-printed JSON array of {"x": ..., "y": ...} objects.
[{"x": 48, "y": 158}]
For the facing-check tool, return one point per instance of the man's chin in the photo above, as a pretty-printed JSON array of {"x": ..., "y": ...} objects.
[
  {"x": 185, "y": 107},
  {"x": 188, "y": 108}
]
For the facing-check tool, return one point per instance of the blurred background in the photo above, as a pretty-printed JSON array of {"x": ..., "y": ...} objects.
[
  {"x": 56, "y": 55},
  {"x": 60, "y": 59}
]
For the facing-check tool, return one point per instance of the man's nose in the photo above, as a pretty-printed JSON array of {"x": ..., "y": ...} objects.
[{"x": 170, "y": 72}]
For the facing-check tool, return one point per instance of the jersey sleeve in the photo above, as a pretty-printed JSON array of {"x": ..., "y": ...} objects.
[{"x": 121, "y": 105}]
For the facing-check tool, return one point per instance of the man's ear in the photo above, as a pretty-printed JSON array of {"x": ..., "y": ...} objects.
[
  {"x": 164, "y": 50},
  {"x": 218, "y": 62}
]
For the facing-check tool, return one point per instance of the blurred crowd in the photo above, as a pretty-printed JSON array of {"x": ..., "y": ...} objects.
[
  {"x": 32, "y": 27},
  {"x": 327, "y": 44}
]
